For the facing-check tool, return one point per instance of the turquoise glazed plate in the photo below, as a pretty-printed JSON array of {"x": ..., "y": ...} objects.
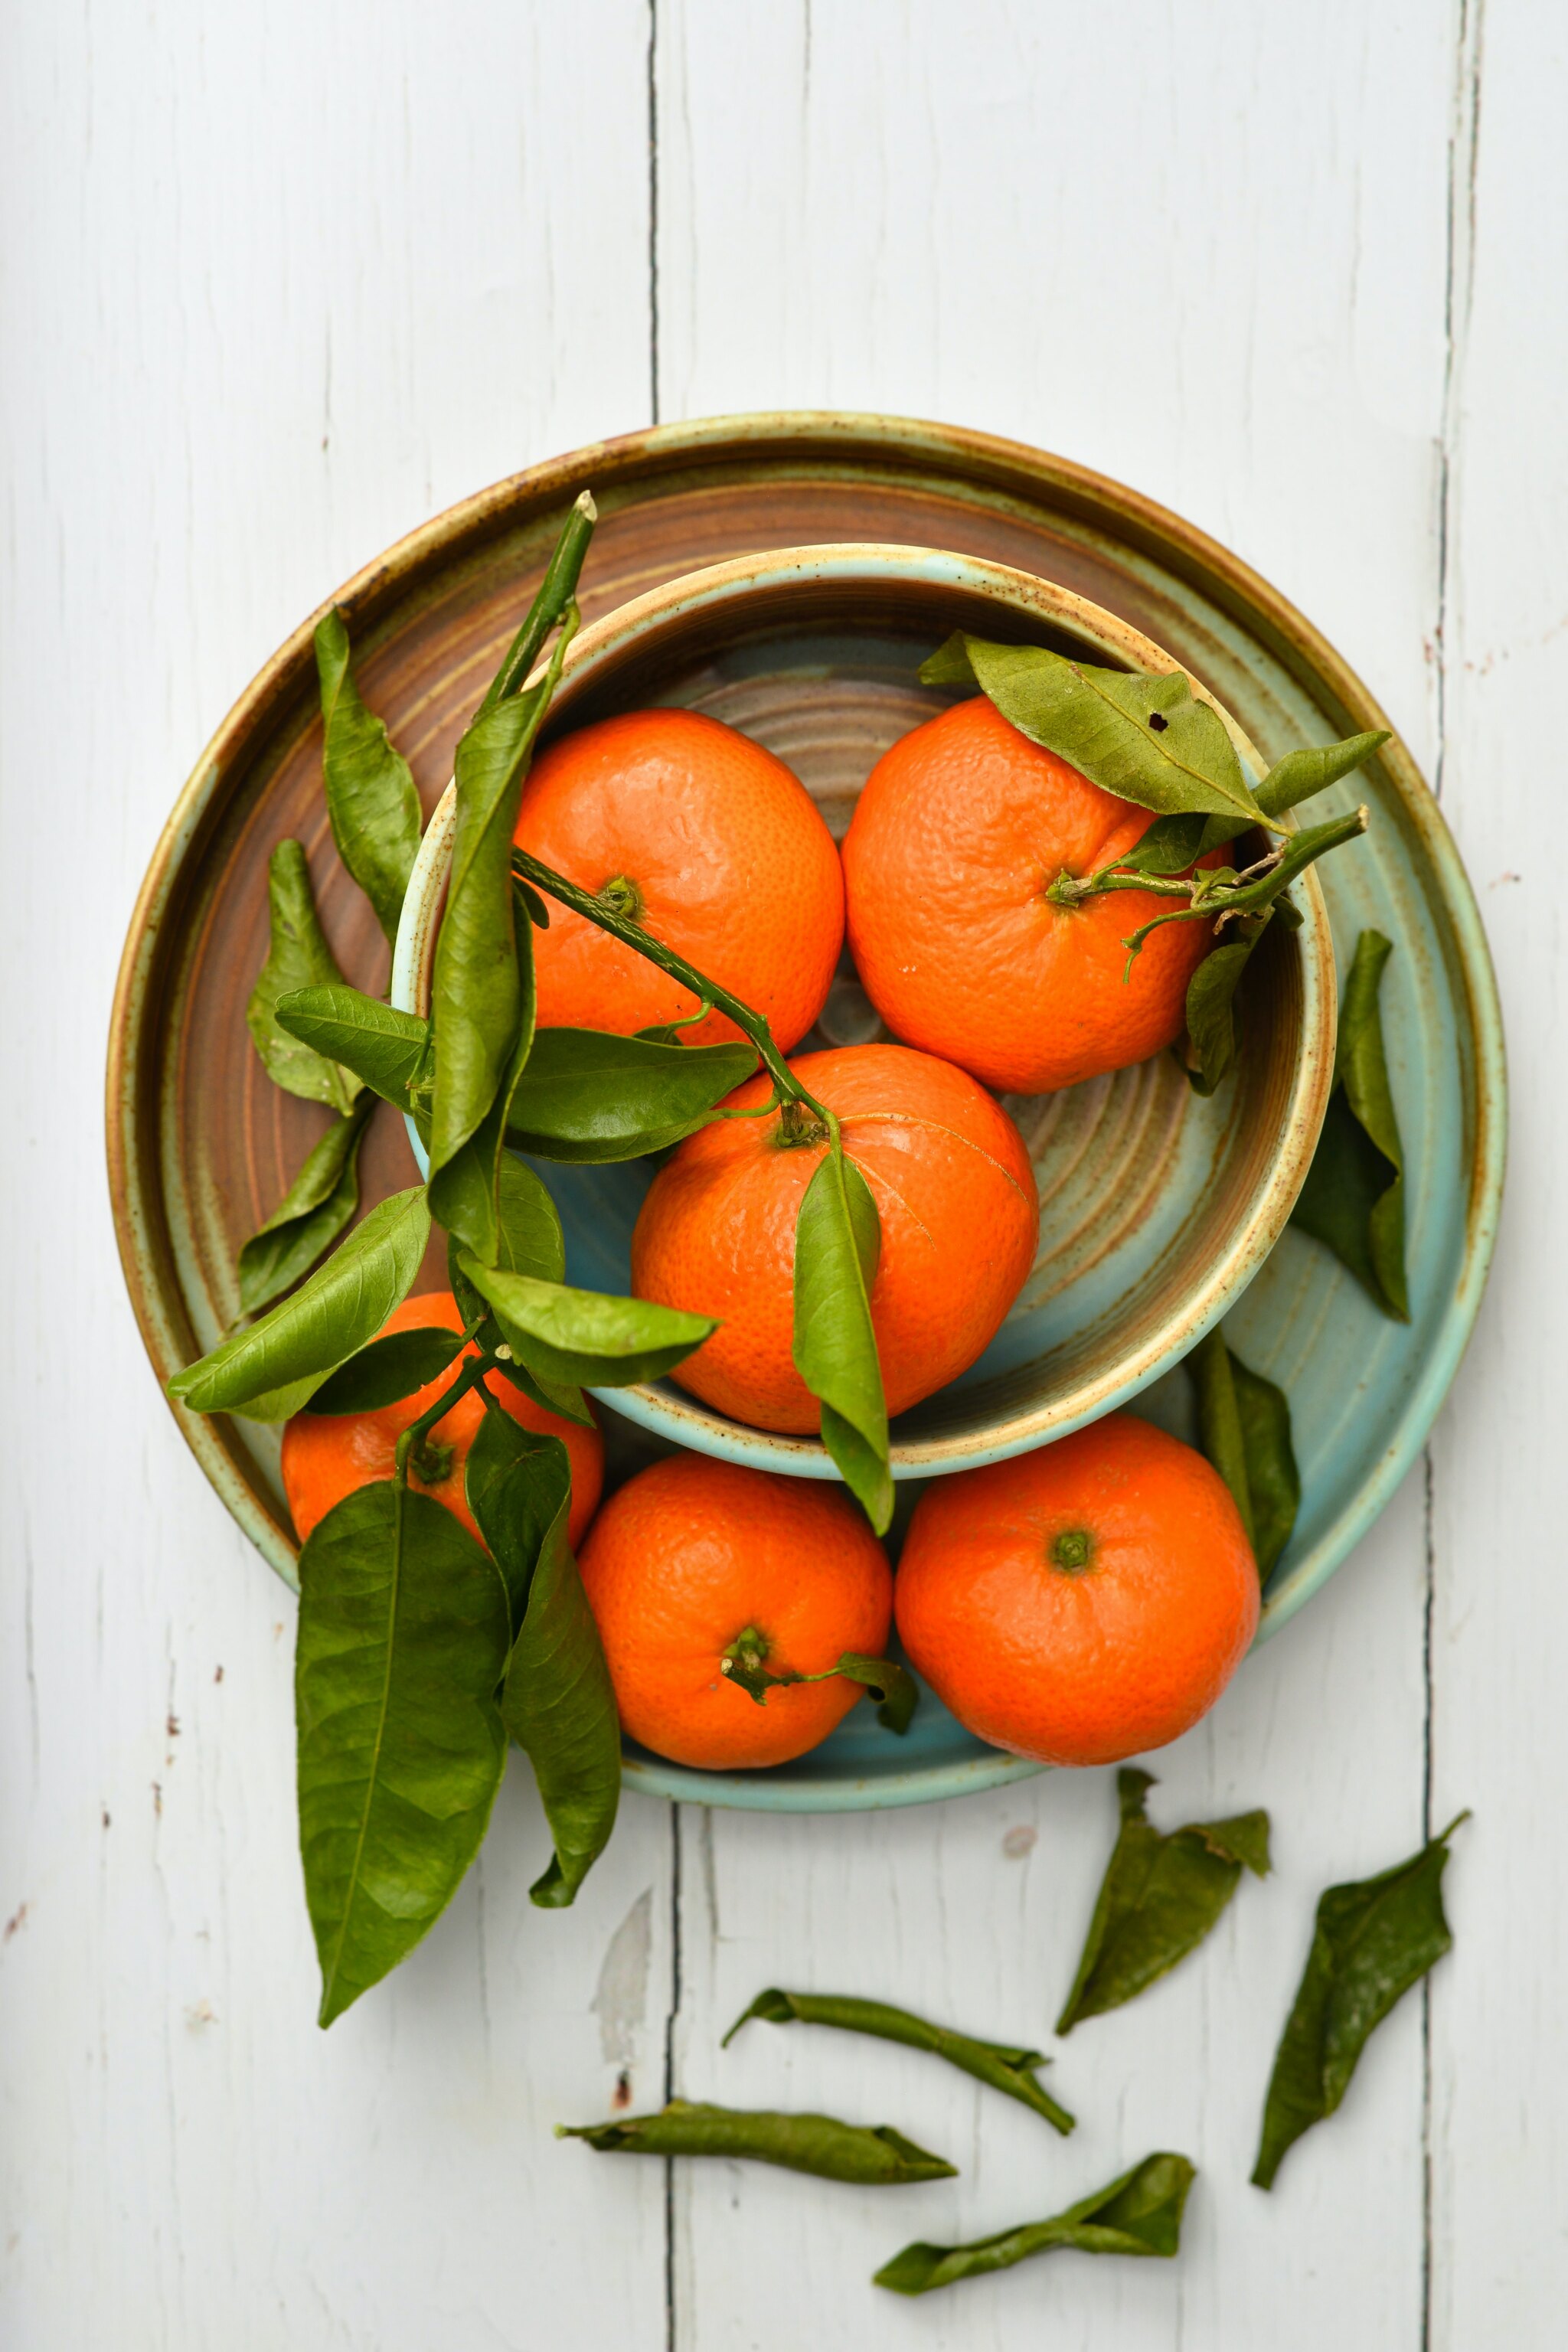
[{"x": 201, "y": 1148}]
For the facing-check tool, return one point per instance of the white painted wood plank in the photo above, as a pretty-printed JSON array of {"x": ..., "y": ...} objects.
[
  {"x": 1500, "y": 2075},
  {"x": 277, "y": 285},
  {"x": 1206, "y": 254}
]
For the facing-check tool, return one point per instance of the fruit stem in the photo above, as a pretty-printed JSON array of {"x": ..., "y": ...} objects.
[
  {"x": 411, "y": 1443},
  {"x": 632, "y": 935}
]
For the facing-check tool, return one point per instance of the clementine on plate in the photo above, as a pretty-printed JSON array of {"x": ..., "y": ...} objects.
[
  {"x": 961, "y": 828},
  {"x": 327, "y": 1456},
  {"x": 958, "y": 1210},
  {"x": 1082, "y": 1603},
  {"x": 691, "y": 1560},
  {"x": 703, "y": 837}
]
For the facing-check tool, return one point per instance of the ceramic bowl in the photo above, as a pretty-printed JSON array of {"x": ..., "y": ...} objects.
[{"x": 1157, "y": 1207}]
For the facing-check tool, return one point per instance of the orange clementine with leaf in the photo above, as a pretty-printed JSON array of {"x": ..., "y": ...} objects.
[
  {"x": 327, "y": 1456},
  {"x": 955, "y": 1192},
  {"x": 694, "y": 1560},
  {"x": 1082, "y": 1603},
  {"x": 961, "y": 828},
  {"x": 712, "y": 844}
]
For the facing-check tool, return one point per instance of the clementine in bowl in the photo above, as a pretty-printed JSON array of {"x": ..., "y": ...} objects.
[
  {"x": 327, "y": 1456},
  {"x": 702, "y": 836},
  {"x": 1082, "y": 1603},
  {"x": 694, "y": 1559},
  {"x": 955, "y": 1191},
  {"x": 961, "y": 828}
]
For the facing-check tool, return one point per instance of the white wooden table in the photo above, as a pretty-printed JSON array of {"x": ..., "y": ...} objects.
[{"x": 279, "y": 282}]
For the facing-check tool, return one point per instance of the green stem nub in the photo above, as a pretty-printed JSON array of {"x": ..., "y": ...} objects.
[
  {"x": 799, "y": 1124},
  {"x": 620, "y": 896},
  {"x": 744, "y": 1663},
  {"x": 430, "y": 1462},
  {"x": 1072, "y": 1550}
]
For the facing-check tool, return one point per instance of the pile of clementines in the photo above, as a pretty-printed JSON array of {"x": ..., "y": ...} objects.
[{"x": 1077, "y": 1605}]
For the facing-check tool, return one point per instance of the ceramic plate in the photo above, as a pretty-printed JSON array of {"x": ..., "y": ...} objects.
[{"x": 202, "y": 1145}]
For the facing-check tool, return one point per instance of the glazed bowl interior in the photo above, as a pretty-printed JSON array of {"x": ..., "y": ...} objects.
[{"x": 1157, "y": 1207}]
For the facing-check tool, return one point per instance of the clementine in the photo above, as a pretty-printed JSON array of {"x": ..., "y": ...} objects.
[
  {"x": 693, "y": 1559},
  {"x": 705, "y": 838},
  {"x": 327, "y": 1456},
  {"x": 953, "y": 1188},
  {"x": 1082, "y": 1603},
  {"x": 961, "y": 829}
]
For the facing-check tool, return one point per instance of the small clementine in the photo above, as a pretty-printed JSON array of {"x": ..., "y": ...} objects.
[
  {"x": 705, "y": 838},
  {"x": 1082, "y": 1603},
  {"x": 958, "y": 1210},
  {"x": 327, "y": 1456},
  {"x": 692, "y": 1557},
  {"x": 961, "y": 829}
]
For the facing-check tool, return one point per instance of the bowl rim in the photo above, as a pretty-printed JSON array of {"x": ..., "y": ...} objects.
[{"x": 671, "y": 1413}]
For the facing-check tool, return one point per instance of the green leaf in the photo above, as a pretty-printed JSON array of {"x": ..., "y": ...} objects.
[
  {"x": 1140, "y": 2213},
  {"x": 586, "y": 1337},
  {"x": 386, "y": 1048},
  {"x": 1223, "y": 894},
  {"x": 1300, "y": 774},
  {"x": 402, "y": 1641},
  {"x": 1243, "y": 1423},
  {"x": 398, "y": 1366},
  {"x": 270, "y": 1370},
  {"x": 893, "y": 1686},
  {"x": 297, "y": 957},
  {"x": 837, "y": 1241},
  {"x": 556, "y": 591},
  {"x": 479, "y": 993},
  {"x": 875, "y": 2155},
  {"x": 371, "y": 798},
  {"x": 1353, "y": 1198},
  {"x": 531, "y": 1243},
  {"x": 1373, "y": 1938},
  {"x": 1159, "y": 1896},
  {"x": 1211, "y": 1003},
  {"x": 317, "y": 1205},
  {"x": 998, "y": 2063},
  {"x": 466, "y": 1194},
  {"x": 589, "y": 1098},
  {"x": 1148, "y": 739},
  {"x": 558, "y": 1703}
]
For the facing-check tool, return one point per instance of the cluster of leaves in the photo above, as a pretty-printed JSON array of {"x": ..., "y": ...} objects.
[
  {"x": 1150, "y": 740},
  {"x": 420, "y": 1653}
]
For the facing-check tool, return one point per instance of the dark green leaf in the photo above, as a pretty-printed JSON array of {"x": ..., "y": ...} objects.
[
  {"x": 873, "y": 2154},
  {"x": 837, "y": 1241},
  {"x": 479, "y": 995},
  {"x": 1243, "y": 1423},
  {"x": 1353, "y": 1198},
  {"x": 998, "y": 2063},
  {"x": 1211, "y": 1003},
  {"x": 297, "y": 957},
  {"x": 1148, "y": 739},
  {"x": 1373, "y": 1938},
  {"x": 388, "y": 1369},
  {"x": 270, "y": 1370},
  {"x": 1173, "y": 843},
  {"x": 1159, "y": 1899},
  {"x": 386, "y": 1048},
  {"x": 466, "y": 1194},
  {"x": 558, "y": 1703},
  {"x": 531, "y": 1244},
  {"x": 371, "y": 799},
  {"x": 402, "y": 1643},
  {"x": 586, "y": 1337},
  {"x": 317, "y": 1205},
  {"x": 589, "y": 1098},
  {"x": 1139, "y": 2214},
  {"x": 529, "y": 905}
]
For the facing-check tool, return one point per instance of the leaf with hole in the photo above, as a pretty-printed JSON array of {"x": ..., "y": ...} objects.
[
  {"x": 1140, "y": 2213},
  {"x": 297, "y": 957},
  {"x": 270, "y": 1370},
  {"x": 837, "y": 1242},
  {"x": 318, "y": 1206},
  {"x": 1353, "y": 1198},
  {"x": 1373, "y": 1938},
  {"x": 590, "y": 1098},
  {"x": 1159, "y": 1896},
  {"x": 371, "y": 798},
  {"x": 402, "y": 1644}
]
